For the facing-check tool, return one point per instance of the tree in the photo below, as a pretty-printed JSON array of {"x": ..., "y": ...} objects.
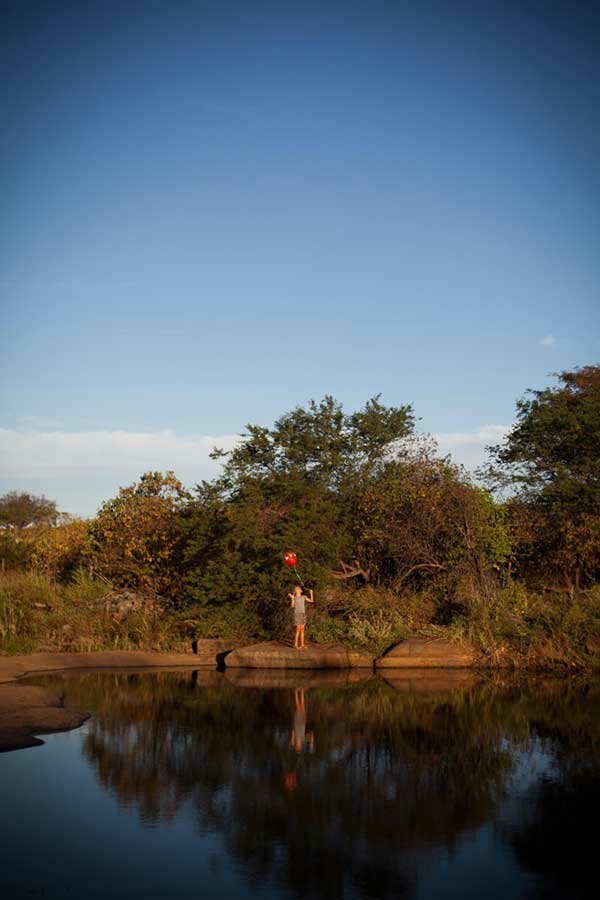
[
  {"x": 422, "y": 521},
  {"x": 136, "y": 537},
  {"x": 20, "y": 509},
  {"x": 320, "y": 444},
  {"x": 287, "y": 486},
  {"x": 551, "y": 461}
]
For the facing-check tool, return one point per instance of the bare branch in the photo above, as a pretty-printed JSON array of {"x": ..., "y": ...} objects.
[{"x": 351, "y": 571}]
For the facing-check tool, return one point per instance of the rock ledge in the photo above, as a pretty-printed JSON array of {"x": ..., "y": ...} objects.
[
  {"x": 26, "y": 710},
  {"x": 417, "y": 653},
  {"x": 273, "y": 655}
]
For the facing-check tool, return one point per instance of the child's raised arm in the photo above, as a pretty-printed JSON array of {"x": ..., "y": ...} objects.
[{"x": 311, "y": 596}]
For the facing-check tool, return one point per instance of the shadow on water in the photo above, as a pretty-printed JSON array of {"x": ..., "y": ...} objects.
[{"x": 333, "y": 784}]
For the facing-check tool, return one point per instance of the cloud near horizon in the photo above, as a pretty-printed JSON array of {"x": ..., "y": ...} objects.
[
  {"x": 82, "y": 469},
  {"x": 51, "y": 454}
]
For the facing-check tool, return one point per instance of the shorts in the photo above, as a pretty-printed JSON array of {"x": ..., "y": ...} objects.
[{"x": 299, "y": 618}]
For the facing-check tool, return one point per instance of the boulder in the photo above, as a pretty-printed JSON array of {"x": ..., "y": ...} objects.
[
  {"x": 426, "y": 653},
  {"x": 212, "y": 651},
  {"x": 273, "y": 655}
]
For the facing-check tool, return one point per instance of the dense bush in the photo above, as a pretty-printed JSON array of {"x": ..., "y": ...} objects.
[
  {"x": 136, "y": 539},
  {"x": 60, "y": 551}
]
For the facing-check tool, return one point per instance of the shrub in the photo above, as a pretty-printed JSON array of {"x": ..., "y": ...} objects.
[
  {"x": 59, "y": 551},
  {"x": 136, "y": 537},
  {"x": 378, "y": 630},
  {"x": 327, "y": 630},
  {"x": 14, "y": 553},
  {"x": 228, "y": 620}
]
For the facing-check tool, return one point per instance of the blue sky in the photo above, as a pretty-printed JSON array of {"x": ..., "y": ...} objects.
[{"x": 215, "y": 211}]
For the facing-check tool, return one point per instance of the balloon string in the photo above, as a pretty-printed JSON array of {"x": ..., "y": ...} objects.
[{"x": 298, "y": 577}]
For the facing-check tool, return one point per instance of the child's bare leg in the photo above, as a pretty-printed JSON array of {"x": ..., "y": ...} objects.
[
  {"x": 301, "y": 635},
  {"x": 297, "y": 637}
]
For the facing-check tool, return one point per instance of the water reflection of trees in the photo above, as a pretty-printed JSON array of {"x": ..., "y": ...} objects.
[
  {"x": 556, "y": 835},
  {"x": 390, "y": 770}
]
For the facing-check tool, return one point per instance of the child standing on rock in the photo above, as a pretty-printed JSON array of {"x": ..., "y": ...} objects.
[{"x": 298, "y": 604}]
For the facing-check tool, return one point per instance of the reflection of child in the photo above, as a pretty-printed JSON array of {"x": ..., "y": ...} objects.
[
  {"x": 298, "y": 604},
  {"x": 300, "y": 736}
]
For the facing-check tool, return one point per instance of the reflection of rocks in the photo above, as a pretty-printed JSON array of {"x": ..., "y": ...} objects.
[
  {"x": 424, "y": 681},
  {"x": 273, "y": 655},
  {"x": 26, "y": 711},
  {"x": 308, "y": 678},
  {"x": 435, "y": 654}
]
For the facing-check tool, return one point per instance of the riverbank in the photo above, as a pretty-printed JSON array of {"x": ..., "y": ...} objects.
[
  {"x": 27, "y": 711},
  {"x": 14, "y": 667},
  {"x": 512, "y": 628}
]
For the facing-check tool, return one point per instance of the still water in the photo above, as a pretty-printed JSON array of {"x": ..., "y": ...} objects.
[{"x": 274, "y": 785}]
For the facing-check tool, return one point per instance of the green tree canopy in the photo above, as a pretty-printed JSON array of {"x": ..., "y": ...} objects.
[
  {"x": 320, "y": 444},
  {"x": 357, "y": 496},
  {"x": 551, "y": 459},
  {"x": 287, "y": 486}
]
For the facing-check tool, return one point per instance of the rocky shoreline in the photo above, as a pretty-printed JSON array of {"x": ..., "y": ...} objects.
[{"x": 27, "y": 711}]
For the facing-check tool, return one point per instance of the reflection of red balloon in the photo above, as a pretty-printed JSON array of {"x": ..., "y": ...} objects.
[
  {"x": 290, "y": 558},
  {"x": 291, "y": 781}
]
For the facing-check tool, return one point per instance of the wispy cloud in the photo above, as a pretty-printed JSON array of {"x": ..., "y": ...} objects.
[
  {"x": 53, "y": 453},
  {"x": 468, "y": 447},
  {"x": 548, "y": 340}
]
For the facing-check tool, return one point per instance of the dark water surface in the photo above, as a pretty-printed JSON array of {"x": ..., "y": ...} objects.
[{"x": 255, "y": 785}]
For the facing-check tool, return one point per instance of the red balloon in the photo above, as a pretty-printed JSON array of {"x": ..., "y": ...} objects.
[{"x": 290, "y": 558}]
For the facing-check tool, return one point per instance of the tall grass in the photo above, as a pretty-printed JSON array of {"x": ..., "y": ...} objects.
[
  {"x": 507, "y": 627},
  {"x": 527, "y": 630},
  {"x": 37, "y": 613},
  {"x": 22, "y": 597}
]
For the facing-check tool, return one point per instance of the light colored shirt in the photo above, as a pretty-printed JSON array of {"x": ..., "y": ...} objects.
[{"x": 300, "y": 603}]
